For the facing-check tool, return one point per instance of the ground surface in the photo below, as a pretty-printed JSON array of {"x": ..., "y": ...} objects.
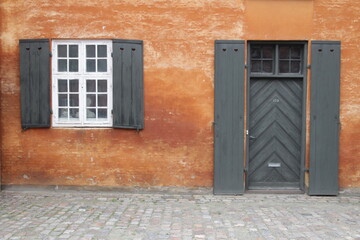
[{"x": 113, "y": 215}]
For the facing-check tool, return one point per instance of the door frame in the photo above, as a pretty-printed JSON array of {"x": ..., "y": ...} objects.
[{"x": 303, "y": 169}]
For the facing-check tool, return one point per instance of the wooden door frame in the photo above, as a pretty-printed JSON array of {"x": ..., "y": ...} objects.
[{"x": 304, "y": 103}]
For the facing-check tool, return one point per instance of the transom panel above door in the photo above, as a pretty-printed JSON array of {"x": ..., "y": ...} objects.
[{"x": 275, "y": 116}]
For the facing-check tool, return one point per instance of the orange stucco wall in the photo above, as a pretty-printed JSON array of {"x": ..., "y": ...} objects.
[{"x": 176, "y": 147}]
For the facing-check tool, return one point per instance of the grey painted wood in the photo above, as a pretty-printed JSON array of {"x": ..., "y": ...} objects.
[
  {"x": 128, "y": 99},
  {"x": 35, "y": 83},
  {"x": 324, "y": 121},
  {"x": 275, "y": 133},
  {"x": 229, "y": 117}
]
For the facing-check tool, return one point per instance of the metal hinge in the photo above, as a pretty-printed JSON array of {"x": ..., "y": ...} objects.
[
  {"x": 51, "y": 111},
  {"x": 245, "y": 170},
  {"x": 50, "y": 54},
  {"x": 306, "y": 170},
  {"x": 112, "y": 54},
  {"x": 246, "y": 66},
  {"x": 308, "y": 66}
]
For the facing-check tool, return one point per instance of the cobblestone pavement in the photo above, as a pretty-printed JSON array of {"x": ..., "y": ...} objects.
[{"x": 114, "y": 215}]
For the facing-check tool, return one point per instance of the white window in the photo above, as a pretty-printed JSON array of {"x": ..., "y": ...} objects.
[{"x": 82, "y": 83}]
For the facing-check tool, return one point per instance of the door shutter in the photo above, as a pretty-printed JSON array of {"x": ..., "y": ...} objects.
[
  {"x": 128, "y": 100},
  {"x": 324, "y": 123},
  {"x": 229, "y": 117},
  {"x": 35, "y": 83}
]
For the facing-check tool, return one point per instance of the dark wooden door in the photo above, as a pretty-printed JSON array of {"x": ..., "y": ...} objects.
[{"x": 275, "y": 133}]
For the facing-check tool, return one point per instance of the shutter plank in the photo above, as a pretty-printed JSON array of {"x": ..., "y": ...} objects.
[
  {"x": 324, "y": 134},
  {"x": 126, "y": 89},
  {"x": 25, "y": 83},
  {"x": 128, "y": 84},
  {"x": 44, "y": 84},
  {"x": 35, "y": 83},
  {"x": 229, "y": 117}
]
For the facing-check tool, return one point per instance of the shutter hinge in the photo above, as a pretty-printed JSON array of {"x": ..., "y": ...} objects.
[
  {"x": 112, "y": 54},
  {"x": 112, "y": 112},
  {"x": 308, "y": 66},
  {"x": 306, "y": 170},
  {"x": 51, "y": 111},
  {"x": 50, "y": 54},
  {"x": 245, "y": 66},
  {"x": 245, "y": 170}
]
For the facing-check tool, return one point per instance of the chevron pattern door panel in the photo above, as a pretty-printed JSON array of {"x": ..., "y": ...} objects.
[{"x": 275, "y": 133}]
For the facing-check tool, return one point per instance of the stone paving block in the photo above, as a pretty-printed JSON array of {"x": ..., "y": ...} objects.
[{"x": 114, "y": 215}]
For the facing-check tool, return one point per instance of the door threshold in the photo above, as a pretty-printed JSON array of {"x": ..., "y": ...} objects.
[{"x": 274, "y": 191}]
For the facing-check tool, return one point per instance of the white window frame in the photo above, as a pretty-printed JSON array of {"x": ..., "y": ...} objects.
[{"x": 82, "y": 75}]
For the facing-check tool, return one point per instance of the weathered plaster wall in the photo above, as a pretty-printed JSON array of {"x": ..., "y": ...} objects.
[
  {"x": 176, "y": 147},
  {"x": 340, "y": 19}
]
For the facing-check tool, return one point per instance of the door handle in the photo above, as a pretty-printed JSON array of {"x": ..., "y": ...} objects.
[{"x": 252, "y": 137}]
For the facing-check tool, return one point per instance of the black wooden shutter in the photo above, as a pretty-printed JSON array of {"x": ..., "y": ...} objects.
[
  {"x": 35, "y": 83},
  {"x": 128, "y": 99},
  {"x": 229, "y": 117},
  {"x": 324, "y": 123}
]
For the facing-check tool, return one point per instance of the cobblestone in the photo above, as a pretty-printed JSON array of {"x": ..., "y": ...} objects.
[{"x": 114, "y": 215}]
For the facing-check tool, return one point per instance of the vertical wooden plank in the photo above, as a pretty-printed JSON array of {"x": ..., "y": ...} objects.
[
  {"x": 128, "y": 84},
  {"x": 25, "y": 83},
  {"x": 44, "y": 83},
  {"x": 229, "y": 117},
  {"x": 324, "y": 123},
  {"x": 35, "y": 83},
  {"x": 117, "y": 79},
  {"x": 137, "y": 91}
]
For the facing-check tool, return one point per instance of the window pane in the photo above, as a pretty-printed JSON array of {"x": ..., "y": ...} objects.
[
  {"x": 62, "y": 65},
  {"x": 102, "y": 65},
  {"x": 90, "y": 85},
  {"x": 62, "y": 85},
  {"x": 268, "y": 52},
  {"x": 73, "y": 51},
  {"x": 284, "y": 52},
  {"x": 90, "y": 100},
  {"x": 63, "y": 100},
  {"x": 102, "y": 100},
  {"x": 74, "y": 113},
  {"x": 295, "y": 52},
  {"x": 255, "y": 52},
  {"x": 91, "y": 113},
  {"x": 74, "y": 85},
  {"x": 63, "y": 113},
  {"x": 295, "y": 66},
  {"x": 255, "y": 66},
  {"x": 267, "y": 66},
  {"x": 74, "y": 100},
  {"x": 102, "y": 86},
  {"x": 90, "y": 50},
  {"x": 73, "y": 65},
  {"x": 283, "y": 66},
  {"x": 102, "y": 113},
  {"x": 90, "y": 65},
  {"x": 62, "y": 51},
  {"x": 101, "y": 51}
]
